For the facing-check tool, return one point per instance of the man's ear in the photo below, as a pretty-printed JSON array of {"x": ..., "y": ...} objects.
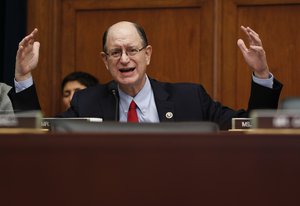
[
  {"x": 148, "y": 51},
  {"x": 104, "y": 58}
]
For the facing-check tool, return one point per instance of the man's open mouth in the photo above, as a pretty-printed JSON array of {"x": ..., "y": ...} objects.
[{"x": 127, "y": 69}]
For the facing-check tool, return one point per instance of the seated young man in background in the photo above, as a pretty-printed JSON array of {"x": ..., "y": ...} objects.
[{"x": 73, "y": 82}]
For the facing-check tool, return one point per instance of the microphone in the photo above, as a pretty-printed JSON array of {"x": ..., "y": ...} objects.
[{"x": 112, "y": 87}]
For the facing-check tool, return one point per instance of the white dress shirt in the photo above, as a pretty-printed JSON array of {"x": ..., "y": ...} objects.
[
  {"x": 21, "y": 85},
  {"x": 146, "y": 107}
]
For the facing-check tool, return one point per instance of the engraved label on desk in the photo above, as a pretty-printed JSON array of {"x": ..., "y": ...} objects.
[
  {"x": 8, "y": 120},
  {"x": 281, "y": 121},
  {"x": 246, "y": 124},
  {"x": 286, "y": 121},
  {"x": 45, "y": 124},
  {"x": 276, "y": 119},
  {"x": 26, "y": 119},
  {"x": 296, "y": 122},
  {"x": 241, "y": 123}
]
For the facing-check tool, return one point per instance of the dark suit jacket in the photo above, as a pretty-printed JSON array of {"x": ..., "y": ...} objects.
[
  {"x": 25, "y": 100},
  {"x": 186, "y": 101}
]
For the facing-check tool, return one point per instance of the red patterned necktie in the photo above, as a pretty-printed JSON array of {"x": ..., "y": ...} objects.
[{"x": 132, "y": 115}]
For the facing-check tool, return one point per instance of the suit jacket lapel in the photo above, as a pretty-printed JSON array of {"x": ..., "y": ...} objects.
[
  {"x": 108, "y": 105},
  {"x": 164, "y": 106}
]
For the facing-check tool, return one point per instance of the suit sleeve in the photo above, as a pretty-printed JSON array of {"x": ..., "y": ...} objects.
[
  {"x": 264, "y": 98},
  {"x": 25, "y": 100}
]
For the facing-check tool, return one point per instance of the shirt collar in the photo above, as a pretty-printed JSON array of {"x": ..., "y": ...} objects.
[{"x": 141, "y": 99}]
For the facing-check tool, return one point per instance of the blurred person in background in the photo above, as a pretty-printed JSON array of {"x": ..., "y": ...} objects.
[{"x": 73, "y": 82}]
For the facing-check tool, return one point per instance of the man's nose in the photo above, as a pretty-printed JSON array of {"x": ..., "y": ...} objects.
[{"x": 124, "y": 57}]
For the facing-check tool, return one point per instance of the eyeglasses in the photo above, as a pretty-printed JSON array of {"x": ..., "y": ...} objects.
[{"x": 117, "y": 53}]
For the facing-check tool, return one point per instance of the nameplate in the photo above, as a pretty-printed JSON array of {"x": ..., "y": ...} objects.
[
  {"x": 241, "y": 123},
  {"x": 21, "y": 120},
  {"x": 276, "y": 119}
]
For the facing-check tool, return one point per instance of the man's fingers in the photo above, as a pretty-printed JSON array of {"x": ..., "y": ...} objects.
[
  {"x": 246, "y": 31},
  {"x": 36, "y": 48},
  {"x": 258, "y": 49},
  {"x": 29, "y": 39},
  {"x": 242, "y": 46},
  {"x": 256, "y": 40},
  {"x": 36, "y": 45},
  {"x": 20, "y": 48},
  {"x": 252, "y": 31},
  {"x": 34, "y": 32},
  {"x": 253, "y": 37}
]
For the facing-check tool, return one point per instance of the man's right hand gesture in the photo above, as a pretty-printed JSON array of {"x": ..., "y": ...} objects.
[{"x": 27, "y": 56}]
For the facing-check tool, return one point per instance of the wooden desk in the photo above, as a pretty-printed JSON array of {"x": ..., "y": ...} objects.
[{"x": 144, "y": 169}]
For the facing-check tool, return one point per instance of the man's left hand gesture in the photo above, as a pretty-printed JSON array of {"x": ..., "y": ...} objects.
[{"x": 255, "y": 55}]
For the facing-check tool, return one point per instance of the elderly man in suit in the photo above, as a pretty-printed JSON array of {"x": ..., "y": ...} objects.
[{"x": 126, "y": 55}]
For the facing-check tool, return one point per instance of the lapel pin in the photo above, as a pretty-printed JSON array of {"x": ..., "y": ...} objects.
[{"x": 169, "y": 115}]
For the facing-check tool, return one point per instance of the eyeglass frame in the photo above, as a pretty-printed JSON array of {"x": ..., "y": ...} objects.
[{"x": 126, "y": 52}]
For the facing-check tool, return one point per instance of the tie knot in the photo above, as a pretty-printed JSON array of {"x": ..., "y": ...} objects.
[{"x": 132, "y": 105}]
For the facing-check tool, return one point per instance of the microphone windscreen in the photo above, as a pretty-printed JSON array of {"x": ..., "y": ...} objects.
[{"x": 112, "y": 87}]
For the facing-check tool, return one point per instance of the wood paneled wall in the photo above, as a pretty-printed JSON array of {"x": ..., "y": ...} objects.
[
  {"x": 277, "y": 23},
  {"x": 193, "y": 41}
]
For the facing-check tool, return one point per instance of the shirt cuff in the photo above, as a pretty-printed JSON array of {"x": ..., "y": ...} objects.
[
  {"x": 22, "y": 85},
  {"x": 264, "y": 82}
]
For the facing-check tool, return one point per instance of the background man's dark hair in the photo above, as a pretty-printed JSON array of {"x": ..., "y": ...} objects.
[
  {"x": 84, "y": 78},
  {"x": 139, "y": 29}
]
